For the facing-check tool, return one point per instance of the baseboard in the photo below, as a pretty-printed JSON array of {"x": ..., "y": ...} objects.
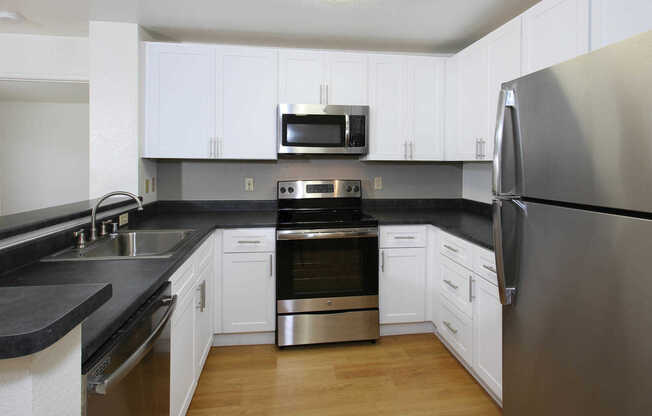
[
  {"x": 405, "y": 329},
  {"x": 470, "y": 370},
  {"x": 251, "y": 338}
]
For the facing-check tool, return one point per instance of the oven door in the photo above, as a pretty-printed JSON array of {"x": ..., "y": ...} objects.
[{"x": 327, "y": 263}]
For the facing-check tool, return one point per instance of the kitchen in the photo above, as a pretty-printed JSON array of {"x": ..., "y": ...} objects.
[{"x": 319, "y": 219}]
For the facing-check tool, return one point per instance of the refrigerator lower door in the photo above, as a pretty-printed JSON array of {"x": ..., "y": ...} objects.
[{"x": 577, "y": 340}]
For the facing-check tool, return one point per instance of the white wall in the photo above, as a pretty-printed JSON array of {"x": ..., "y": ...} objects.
[
  {"x": 43, "y": 57},
  {"x": 114, "y": 107},
  {"x": 44, "y": 155},
  {"x": 224, "y": 180},
  {"x": 476, "y": 182}
]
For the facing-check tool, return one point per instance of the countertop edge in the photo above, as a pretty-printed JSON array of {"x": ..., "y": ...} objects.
[{"x": 20, "y": 345}]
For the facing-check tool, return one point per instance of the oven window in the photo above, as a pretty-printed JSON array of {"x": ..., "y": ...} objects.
[
  {"x": 314, "y": 130},
  {"x": 327, "y": 268}
]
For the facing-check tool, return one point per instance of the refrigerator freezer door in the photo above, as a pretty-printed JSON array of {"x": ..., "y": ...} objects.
[
  {"x": 586, "y": 129},
  {"x": 577, "y": 339}
]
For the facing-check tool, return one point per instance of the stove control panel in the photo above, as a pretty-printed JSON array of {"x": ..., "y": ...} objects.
[{"x": 333, "y": 188}]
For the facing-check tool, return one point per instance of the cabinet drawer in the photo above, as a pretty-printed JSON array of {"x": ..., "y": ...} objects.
[
  {"x": 484, "y": 264},
  {"x": 456, "y": 249},
  {"x": 249, "y": 240},
  {"x": 203, "y": 254},
  {"x": 456, "y": 329},
  {"x": 182, "y": 279},
  {"x": 403, "y": 236},
  {"x": 455, "y": 285}
]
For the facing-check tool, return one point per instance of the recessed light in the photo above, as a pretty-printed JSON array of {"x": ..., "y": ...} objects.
[{"x": 6, "y": 16}]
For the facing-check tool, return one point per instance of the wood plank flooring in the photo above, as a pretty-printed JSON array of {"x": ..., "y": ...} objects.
[{"x": 399, "y": 375}]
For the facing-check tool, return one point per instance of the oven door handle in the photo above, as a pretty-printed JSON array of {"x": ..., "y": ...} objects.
[
  {"x": 103, "y": 384},
  {"x": 323, "y": 234}
]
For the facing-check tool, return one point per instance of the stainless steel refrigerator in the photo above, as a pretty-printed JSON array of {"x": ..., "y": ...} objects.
[{"x": 573, "y": 235}]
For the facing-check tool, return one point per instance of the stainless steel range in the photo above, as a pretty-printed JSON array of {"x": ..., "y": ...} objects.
[{"x": 327, "y": 264}]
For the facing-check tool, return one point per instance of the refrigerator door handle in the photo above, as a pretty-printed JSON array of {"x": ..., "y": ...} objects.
[
  {"x": 505, "y": 99},
  {"x": 505, "y": 293}
]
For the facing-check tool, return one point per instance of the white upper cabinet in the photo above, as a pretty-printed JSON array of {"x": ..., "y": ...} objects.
[
  {"x": 616, "y": 20},
  {"x": 425, "y": 104},
  {"x": 346, "y": 78},
  {"x": 179, "y": 101},
  {"x": 246, "y": 97},
  {"x": 387, "y": 98},
  {"x": 301, "y": 76},
  {"x": 504, "y": 62},
  {"x": 554, "y": 31},
  {"x": 320, "y": 77},
  {"x": 471, "y": 113}
]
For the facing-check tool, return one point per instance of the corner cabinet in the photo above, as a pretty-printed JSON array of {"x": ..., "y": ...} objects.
[
  {"x": 210, "y": 102},
  {"x": 406, "y": 96}
]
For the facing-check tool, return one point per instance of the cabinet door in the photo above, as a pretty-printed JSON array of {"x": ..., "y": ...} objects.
[
  {"x": 472, "y": 111},
  {"x": 246, "y": 102},
  {"x": 182, "y": 356},
  {"x": 425, "y": 107},
  {"x": 504, "y": 61},
  {"x": 616, "y": 20},
  {"x": 179, "y": 103},
  {"x": 402, "y": 285},
  {"x": 346, "y": 78},
  {"x": 387, "y": 96},
  {"x": 203, "y": 311},
  {"x": 301, "y": 76},
  {"x": 554, "y": 31},
  {"x": 487, "y": 335},
  {"x": 248, "y": 292}
]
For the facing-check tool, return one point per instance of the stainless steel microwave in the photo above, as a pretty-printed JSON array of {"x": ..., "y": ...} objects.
[{"x": 323, "y": 129}]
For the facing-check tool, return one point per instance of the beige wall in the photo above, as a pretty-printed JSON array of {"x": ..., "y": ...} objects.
[{"x": 209, "y": 180}]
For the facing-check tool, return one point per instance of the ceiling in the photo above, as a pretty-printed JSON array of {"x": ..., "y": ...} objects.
[{"x": 401, "y": 25}]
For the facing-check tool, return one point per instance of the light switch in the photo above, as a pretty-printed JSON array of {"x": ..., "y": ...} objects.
[
  {"x": 249, "y": 184},
  {"x": 378, "y": 183}
]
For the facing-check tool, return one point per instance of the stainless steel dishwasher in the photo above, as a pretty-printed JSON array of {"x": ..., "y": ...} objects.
[{"x": 132, "y": 374}]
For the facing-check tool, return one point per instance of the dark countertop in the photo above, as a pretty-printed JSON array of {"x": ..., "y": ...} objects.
[
  {"x": 467, "y": 225},
  {"x": 31, "y": 322},
  {"x": 133, "y": 281}
]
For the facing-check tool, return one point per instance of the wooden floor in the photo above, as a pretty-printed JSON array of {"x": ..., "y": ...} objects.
[{"x": 400, "y": 375}]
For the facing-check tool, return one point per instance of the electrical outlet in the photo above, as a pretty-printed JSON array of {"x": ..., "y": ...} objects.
[
  {"x": 146, "y": 186},
  {"x": 123, "y": 219},
  {"x": 378, "y": 183},
  {"x": 249, "y": 184}
]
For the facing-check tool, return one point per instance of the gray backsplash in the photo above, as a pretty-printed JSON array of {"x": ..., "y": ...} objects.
[{"x": 224, "y": 180}]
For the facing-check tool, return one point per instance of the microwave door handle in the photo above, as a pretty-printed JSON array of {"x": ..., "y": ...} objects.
[
  {"x": 102, "y": 385},
  {"x": 347, "y": 131}
]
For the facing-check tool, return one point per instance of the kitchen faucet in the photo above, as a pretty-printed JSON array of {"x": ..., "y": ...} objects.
[{"x": 110, "y": 194}]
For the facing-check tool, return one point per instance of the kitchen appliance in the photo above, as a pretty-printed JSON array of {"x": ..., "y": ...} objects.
[
  {"x": 323, "y": 129},
  {"x": 573, "y": 235},
  {"x": 131, "y": 374},
  {"x": 327, "y": 264}
]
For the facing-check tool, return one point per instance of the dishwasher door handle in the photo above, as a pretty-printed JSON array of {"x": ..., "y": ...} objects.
[{"x": 103, "y": 384}]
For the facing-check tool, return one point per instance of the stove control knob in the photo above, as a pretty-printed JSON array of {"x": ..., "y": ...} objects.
[
  {"x": 291, "y": 189},
  {"x": 282, "y": 189},
  {"x": 349, "y": 189},
  {"x": 356, "y": 188}
]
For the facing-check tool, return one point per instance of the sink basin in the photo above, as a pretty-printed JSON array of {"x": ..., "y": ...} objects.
[{"x": 133, "y": 244}]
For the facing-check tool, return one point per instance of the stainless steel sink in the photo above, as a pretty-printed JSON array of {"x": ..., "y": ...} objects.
[{"x": 132, "y": 244}]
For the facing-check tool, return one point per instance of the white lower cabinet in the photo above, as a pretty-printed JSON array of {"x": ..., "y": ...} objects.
[
  {"x": 402, "y": 285},
  {"x": 183, "y": 370},
  {"x": 487, "y": 335},
  {"x": 457, "y": 330},
  {"x": 191, "y": 333}
]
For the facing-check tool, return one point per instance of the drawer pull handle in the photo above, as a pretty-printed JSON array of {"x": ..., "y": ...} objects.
[
  {"x": 453, "y": 249},
  {"x": 491, "y": 269},
  {"x": 249, "y": 242},
  {"x": 406, "y": 237},
  {"x": 449, "y": 283},
  {"x": 450, "y": 327}
]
